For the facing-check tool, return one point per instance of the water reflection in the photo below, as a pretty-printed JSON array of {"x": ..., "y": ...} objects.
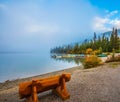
[{"x": 77, "y": 61}]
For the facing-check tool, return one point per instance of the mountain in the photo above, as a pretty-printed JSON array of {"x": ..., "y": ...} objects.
[{"x": 109, "y": 33}]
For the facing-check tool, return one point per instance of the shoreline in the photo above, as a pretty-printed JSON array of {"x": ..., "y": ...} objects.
[
  {"x": 15, "y": 82},
  {"x": 69, "y": 69},
  {"x": 98, "y": 84}
]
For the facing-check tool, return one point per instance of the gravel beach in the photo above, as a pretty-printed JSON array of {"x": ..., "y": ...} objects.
[{"x": 99, "y": 84}]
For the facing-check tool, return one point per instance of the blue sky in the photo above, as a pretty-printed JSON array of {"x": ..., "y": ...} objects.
[{"x": 38, "y": 25}]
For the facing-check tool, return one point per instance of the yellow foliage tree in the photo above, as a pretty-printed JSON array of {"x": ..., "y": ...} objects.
[
  {"x": 97, "y": 52},
  {"x": 89, "y": 51}
]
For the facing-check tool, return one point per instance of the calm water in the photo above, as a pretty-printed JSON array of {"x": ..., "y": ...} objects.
[{"x": 18, "y": 65}]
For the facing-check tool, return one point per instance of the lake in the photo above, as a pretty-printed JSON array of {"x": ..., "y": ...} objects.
[{"x": 19, "y": 65}]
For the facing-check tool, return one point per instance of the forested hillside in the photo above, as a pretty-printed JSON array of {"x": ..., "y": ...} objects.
[{"x": 108, "y": 42}]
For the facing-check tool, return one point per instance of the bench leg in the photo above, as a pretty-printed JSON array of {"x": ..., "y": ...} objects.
[
  {"x": 33, "y": 97},
  {"x": 62, "y": 91}
]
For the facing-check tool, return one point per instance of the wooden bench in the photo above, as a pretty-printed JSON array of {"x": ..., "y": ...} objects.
[{"x": 57, "y": 83}]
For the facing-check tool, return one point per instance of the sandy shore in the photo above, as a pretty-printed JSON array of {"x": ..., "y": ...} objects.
[{"x": 100, "y": 84}]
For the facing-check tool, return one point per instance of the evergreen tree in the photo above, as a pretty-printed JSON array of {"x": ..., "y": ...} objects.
[
  {"x": 116, "y": 40},
  {"x": 112, "y": 40},
  {"x": 76, "y": 49},
  {"x": 103, "y": 43}
]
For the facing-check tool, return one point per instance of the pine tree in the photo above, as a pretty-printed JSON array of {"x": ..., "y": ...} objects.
[
  {"x": 94, "y": 41},
  {"x": 116, "y": 40},
  {"x": 76, "y": 49},
  {"x": 112, "y": 40}
]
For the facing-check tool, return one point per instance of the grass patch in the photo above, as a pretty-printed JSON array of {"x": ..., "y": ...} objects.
[{"x": 114, "y": 65}]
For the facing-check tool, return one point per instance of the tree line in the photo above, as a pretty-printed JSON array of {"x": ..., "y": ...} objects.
[{"x": 103, "y": 43}]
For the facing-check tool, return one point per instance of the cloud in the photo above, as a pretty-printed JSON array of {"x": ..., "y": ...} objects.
[
  {"x": 44, "y": 29},
  {"x": 35, "y": 23},
  {"x": 112, "y": 13},
  {"x": 115, "y": 23},
  {"x": 102, "y": 24},
  {"x": 99, "y": 24}
]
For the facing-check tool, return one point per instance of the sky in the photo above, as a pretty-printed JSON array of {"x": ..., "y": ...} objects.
[{"x": 39, "y": 25}]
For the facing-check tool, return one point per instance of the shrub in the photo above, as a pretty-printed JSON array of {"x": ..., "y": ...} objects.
[
  {"x": 92, "y": 61},
  {"x": 89, "y": 51},
  {"x": 117, "y": 51}
]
